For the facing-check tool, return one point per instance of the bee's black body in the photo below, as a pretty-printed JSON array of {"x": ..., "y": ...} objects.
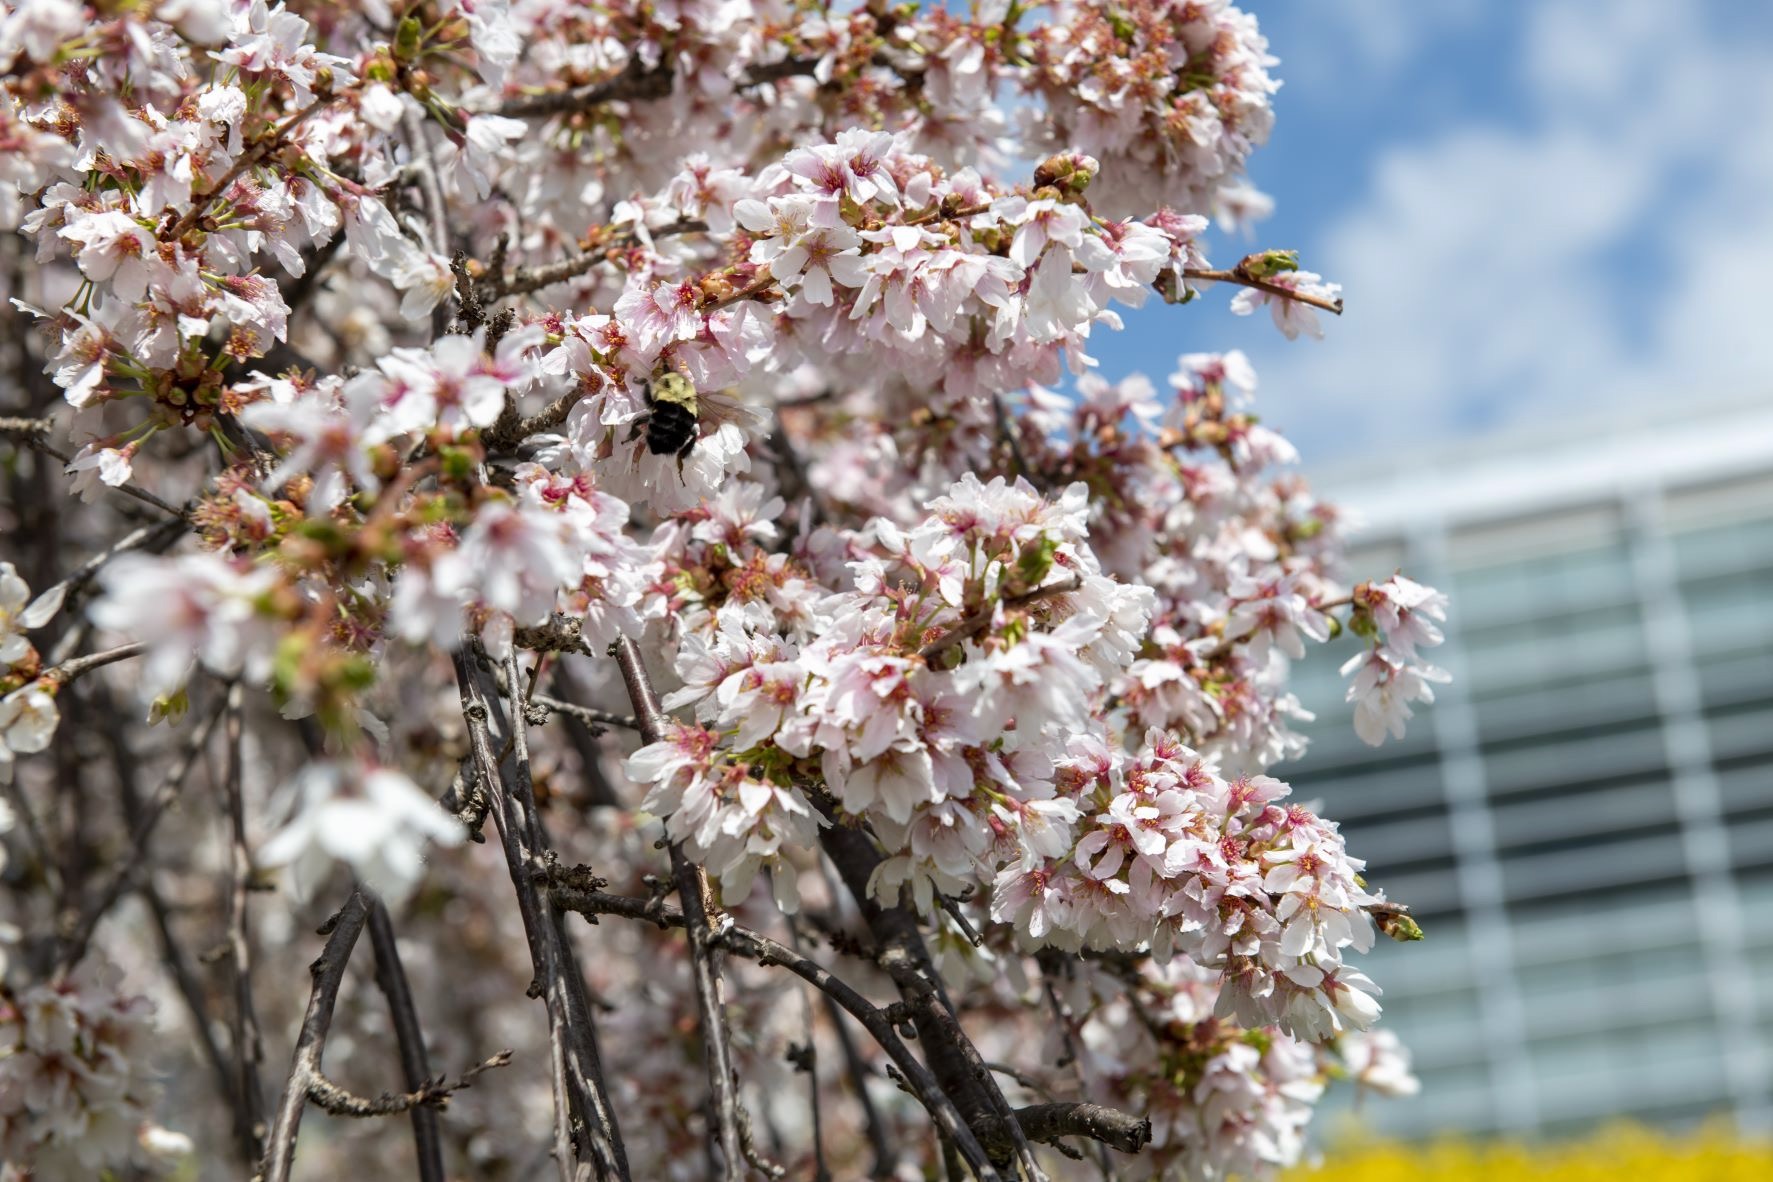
[
  {"x": 670, "y": 428},
  {"x": 671, "y": 418}
]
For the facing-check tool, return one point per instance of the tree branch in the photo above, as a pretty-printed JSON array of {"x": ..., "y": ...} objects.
[
  {"x": 1050, "y": 1122},
  {"x": 329, "y": 974},
  {"x": 577, "y": 1070},
  {"x": 33, "y": 433},
  {"x": 638, "y": 82},
  {"x": 68, "y": 670},
  {"x": 1244, "y": 278},
  {"x": 952, "y": 1057},
  {"x": 587, "y": 714},
  {"x": 248, "y": 159}
]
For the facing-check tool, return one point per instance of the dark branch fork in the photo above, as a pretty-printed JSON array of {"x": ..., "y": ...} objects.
[
  {"x": 328, "y": 971},
  {"x": 307, "y": 1081},
  {"x": 1045, "y": 1122}
]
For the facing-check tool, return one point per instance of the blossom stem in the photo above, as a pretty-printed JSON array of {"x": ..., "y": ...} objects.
[
  {"x": 248, "y": 159},
  {"x": 68, "y": 670},
  {"x": 1243, "y": 278}
]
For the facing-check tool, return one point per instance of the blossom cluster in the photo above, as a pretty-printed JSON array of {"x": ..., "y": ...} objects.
[
  {"x": 1400, "y": 616},
  {"x": 1172, "y": 97},
  {"x": 1226, "y": 1099},
  {"x": 947, "y": 752},
  {"x": 77, "y": 1087}
]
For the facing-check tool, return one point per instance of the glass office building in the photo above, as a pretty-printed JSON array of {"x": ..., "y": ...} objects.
[{"x": 1584, "y": 821}]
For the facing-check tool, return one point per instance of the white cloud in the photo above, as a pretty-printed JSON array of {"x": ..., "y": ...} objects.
[
  {"x": 1619, "y": 247},
  {"x": 1357, "y": 43}
]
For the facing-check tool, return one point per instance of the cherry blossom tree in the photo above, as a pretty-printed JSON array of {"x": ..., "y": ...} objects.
[{"x": 614, "y": 504}]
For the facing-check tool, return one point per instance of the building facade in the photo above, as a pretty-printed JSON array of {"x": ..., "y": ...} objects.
[{"x": 1583, "y": 822}]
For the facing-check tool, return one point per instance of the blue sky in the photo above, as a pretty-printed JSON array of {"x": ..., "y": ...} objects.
[{"x": 1539, "y": 211}]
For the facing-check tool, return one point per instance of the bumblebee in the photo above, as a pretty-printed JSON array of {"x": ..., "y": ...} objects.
[
  {"x": 676, "y": 411},
  {"x": 672, "y": 414}
]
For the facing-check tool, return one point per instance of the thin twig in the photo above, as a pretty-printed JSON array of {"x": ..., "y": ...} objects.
[
  {"x": 1243, "y": 278},
  {"x": 147, "y": 537},
  {"x": 587, "y": 714},
  {"x": 249, "y": 1049},
  {"x": 981, "y": 619},
  {"x": 68, "y": 670},
  {"x": 639, "y": 82},
  {"x": 248, "y": 159},
  {"x": 170, "y": 787},
  {"x": 636, "y": 82},
  {"x": 524, "y": 280},
  {"x": 24, "y": 429},
  {"x": 697, "y": 898},
  {"x": 35, "y": 440},
  {"x": 755, "y": 1157},
  {"x": 410, "y": 1039},
  {"x": 429, "y": 1096}
]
